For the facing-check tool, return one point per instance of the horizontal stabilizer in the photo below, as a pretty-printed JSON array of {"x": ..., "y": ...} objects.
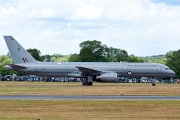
[{"x": 17, "y": 66}]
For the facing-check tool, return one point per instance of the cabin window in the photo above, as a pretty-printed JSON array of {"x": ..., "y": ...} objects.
[{"x": 167, "y": 68}]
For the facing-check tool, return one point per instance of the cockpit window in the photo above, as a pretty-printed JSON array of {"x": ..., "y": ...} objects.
[{"x": 167, "y": 69}]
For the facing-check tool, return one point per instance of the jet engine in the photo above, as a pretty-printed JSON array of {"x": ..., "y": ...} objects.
[{"x": 106, "y": 77}]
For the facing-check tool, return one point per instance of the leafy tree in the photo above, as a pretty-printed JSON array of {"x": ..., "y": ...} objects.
[
  {"x": 120, "y": 55},
  {"x": 133, "y": 58},
  {"x": 3, "y": 61},
  {"x": 112, "y": 54},
  {"x": 59, "y": 59},
  {"x": 36, "y": 54},
  {"x": 169, "y": 54},
  {"x": 47, "y": 58},
  {"x": 173, "y": 61},
  {"x": 154, "y": 59},
  {"x": 57, "y": 55},
  {"x": 92, "y": 51},
  {"x": 74, "y": 58},
  {"x": 43, "y": 58}
]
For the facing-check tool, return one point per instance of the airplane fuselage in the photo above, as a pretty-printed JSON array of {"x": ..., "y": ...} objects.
[
  {"x": 92, "y": 71},
  {"x": 69, "y": 69}
]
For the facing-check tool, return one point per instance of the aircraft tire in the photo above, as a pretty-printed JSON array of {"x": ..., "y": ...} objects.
[
  {"x": 87, "y": 83},
  {"x": 90, "y": 83},
  {"x": 84, "y": 83}
]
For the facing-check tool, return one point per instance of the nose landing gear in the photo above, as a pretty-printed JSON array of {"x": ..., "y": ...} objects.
[{"x": 154, "y": 82}]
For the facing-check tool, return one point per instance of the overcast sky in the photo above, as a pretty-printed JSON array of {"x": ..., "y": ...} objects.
[{"x": 142, "y": 27}]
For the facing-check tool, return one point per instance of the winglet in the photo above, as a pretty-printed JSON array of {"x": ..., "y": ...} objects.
[{"x": 17, "y": 52}]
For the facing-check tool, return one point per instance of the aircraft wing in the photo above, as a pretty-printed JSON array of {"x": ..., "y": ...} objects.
[
  {"x": 16, "y": 66},
  {"x": 86, "y": 70}
]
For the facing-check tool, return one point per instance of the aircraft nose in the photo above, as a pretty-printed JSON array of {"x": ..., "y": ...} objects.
[{"x": 172, "y": 72}]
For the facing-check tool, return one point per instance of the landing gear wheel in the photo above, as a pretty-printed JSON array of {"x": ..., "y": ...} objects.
[
  {"x": 87, "y": 83},
  {"x": 90, "y": 83},
  {"x": 153, "y": 84},
  {"x": 83, "y": 83}
]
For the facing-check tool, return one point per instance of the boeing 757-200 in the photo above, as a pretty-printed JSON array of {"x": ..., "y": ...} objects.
[{"x": 92, "y": 71}]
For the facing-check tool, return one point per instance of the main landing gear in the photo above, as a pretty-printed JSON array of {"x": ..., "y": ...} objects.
[{"x": 88, "y": 81}]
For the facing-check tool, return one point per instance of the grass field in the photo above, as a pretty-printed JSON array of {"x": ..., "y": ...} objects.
[
  {"x": 88, "y": 110},
  {"x": 57, "y": 88}
]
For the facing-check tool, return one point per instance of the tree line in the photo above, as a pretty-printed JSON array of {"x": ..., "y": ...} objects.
[
  {"x": 95, "y": 51},
  {"x": 90, "y": 51}
]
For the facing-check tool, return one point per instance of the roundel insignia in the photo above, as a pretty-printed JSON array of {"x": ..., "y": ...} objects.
[{"x": 129, "y": 73}]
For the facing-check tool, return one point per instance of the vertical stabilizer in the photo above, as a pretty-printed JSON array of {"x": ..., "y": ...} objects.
[{"x": 17, "y": 52}]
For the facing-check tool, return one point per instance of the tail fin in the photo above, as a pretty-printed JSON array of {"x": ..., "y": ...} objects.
[{"x": 17, "y": 52}]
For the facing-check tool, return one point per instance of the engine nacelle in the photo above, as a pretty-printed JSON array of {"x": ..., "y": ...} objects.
[{"x": 107, "y": 77}]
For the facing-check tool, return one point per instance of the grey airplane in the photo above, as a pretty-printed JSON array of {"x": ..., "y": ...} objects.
[{"x": 91, "y": 71}]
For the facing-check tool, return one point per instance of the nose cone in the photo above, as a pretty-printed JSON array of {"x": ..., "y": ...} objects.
[{"x": 172, "y": 73}]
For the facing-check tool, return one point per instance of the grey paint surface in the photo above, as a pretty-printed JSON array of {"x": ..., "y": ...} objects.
[
  {"x": 55, "y": 97},
  {"x": 105, "y": 71}
]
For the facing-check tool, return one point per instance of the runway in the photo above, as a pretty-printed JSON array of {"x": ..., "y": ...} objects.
[{"x": 56, "y": 97}]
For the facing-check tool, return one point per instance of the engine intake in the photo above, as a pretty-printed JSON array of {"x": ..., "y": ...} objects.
[{"x": 106, "y": 77}]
